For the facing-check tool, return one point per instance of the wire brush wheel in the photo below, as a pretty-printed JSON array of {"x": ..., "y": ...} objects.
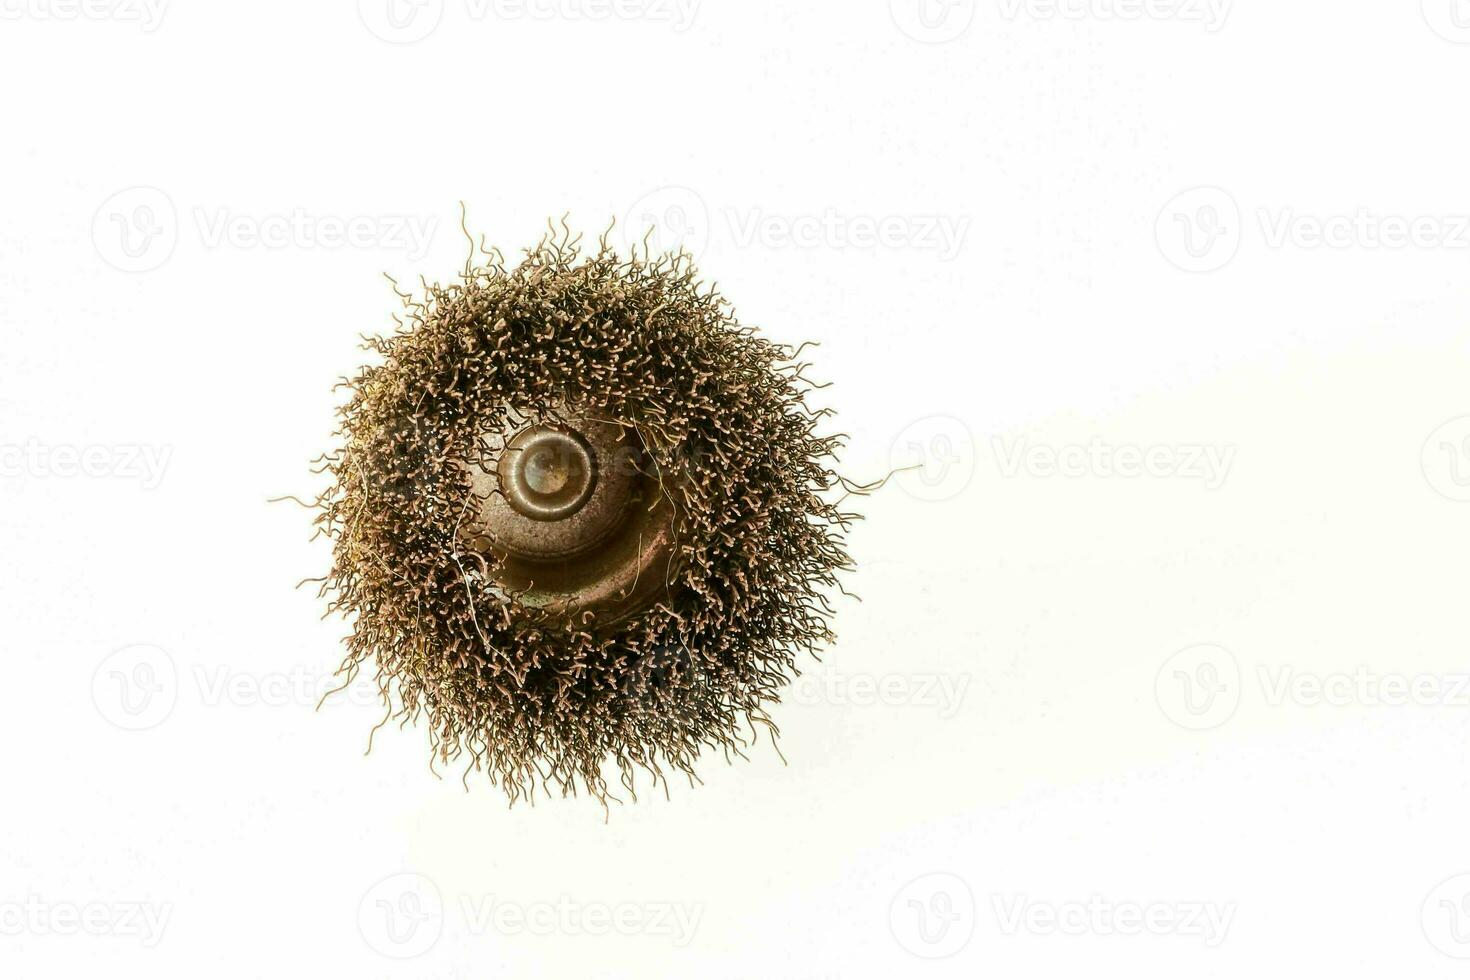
[{"x": 580, "y": 515}]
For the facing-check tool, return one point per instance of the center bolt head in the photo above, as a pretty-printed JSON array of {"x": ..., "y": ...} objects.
[{"x": 547, "y": 474}]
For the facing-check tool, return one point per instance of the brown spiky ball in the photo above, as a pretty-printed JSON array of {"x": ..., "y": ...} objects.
[{"x": 722, "y": 466}]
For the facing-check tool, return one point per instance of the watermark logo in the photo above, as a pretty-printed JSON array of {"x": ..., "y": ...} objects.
[
  {"x": 1199, "y": 230},
  {"x": 666, "y": 220},
  {"x": 147, "y": 14},
  {"x": 671, "y": 218},
  {"x": 400, "y": 21},
  {"x": 401, "y": 916},
  {"x": 136, "y": 688},
  {"x": 140, "y": 686},
  {"x": 1445, "y": 459},
  {"x": 1450, "y": 19},
  {"x": 404, "y": 915},
  {"x": 1202, "y": 230},
  {"x": 932, "y": 21},
  {"x": 933, "y": 916},
  {"x": 1446, "y": 917},
  {"x": 136, "y": 230},
  {"x": 1199, "y": 687},
  {"x": 933, "y": 458}
]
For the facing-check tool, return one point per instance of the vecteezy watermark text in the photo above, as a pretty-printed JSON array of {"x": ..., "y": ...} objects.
[
  {"x": 1202, "y": 230},
  {"x": 1208, "y": 922},
  {"x": 137, "y": 230},
  {"x": 672, "y": 218},
  {"x": 1363, "y": 229},
  {"x": 935, "y": 916},
  {"x": 148, "y": 14},
  {"x": 941, "y": 234},
  {"x": 564, "y": 916},
  {"x": 302, "y": 229},
  {"x": 943, "y": 693},
  {"x": 1212, "y": 14},
  {"x": 1362, "y": 687},
  {"x": 403, "y": 916},
  {"x": 123, "y": 461},
  {"x": 1207, "y": 463},
  {"x": 407, "y": 21},
  {"x": 36, "y": 916},
  {"x": 1200, "y": 687}
]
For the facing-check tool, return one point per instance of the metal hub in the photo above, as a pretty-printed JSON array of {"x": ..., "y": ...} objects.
[
  {"x": 574, "y": 518},
  {"x": 547, "y": 474}
]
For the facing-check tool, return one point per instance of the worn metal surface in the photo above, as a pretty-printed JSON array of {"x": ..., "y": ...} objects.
[{"x": 572, "y": 519}]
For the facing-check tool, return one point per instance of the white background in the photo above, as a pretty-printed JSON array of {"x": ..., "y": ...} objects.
[{"x": 1148, "y": 723}]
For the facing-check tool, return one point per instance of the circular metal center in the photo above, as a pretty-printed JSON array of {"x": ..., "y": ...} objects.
[
  {"x": 574, "y": 518},
  {"x": 547, "y": 474}
]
